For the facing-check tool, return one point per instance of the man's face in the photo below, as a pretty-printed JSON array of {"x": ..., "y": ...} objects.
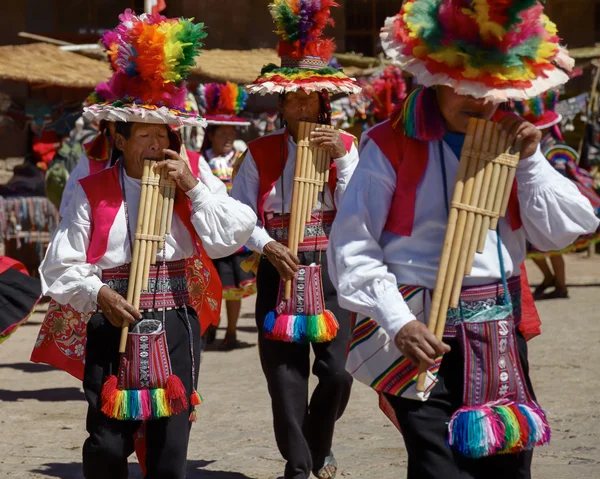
[
  {"x": 300, "y": 106},
  {"x": 146, "y": 142},
  {"x": 458, "y": 109},
  {"x": 222, "y": 139}
]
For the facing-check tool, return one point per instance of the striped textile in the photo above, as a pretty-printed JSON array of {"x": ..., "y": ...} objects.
[
  {"x": 167, "y": 285},
  {"x": 316, "y": 232},
  {"x": 374, "y": 359},
  {"x": 146, "y": 364}
]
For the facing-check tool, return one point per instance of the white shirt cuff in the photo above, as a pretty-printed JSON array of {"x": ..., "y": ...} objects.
[
  {"x": 530, "y": 169},
  {"x": 344, "y": 163},
  {"x": 92, "y": 287},
  {"x": 258, "y": 240},
  {"x": 392, "y": 313},
  {"x": 199, "y": 195}
]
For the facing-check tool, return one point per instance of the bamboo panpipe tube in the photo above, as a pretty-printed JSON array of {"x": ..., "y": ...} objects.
[
  {"x": 508, "y": 190},
  {"x": 293, "y": 225},
  {"x": 488, "y": 154},
  {"x": 312, "y": 174},
  {"x": 144, "y": 244},
  {"x": 485, "y": 226},
  {"x": 151, "y": 225},
  {"x": 500, "y": 191},
  {"x": 436, "y": 299},
  {"x": 459, "y": 233},
  {"x": 158, "y": 222},
  {"x": 165, "y": 209},
  {"x": 307, "y": 158},
  {"x": 135, "y": 257}
]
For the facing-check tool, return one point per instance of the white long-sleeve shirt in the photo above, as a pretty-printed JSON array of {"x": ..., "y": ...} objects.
[
  {"x": 246, "y": 187},
  {"x": 367, "y": 263},
  {"x": 82, "y": 169},
  {"x": 222, "y": 223}
]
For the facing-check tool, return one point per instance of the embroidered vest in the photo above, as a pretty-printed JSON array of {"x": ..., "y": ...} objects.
[
  {"x": 105, "y": 196},
  {"x": 409, "y": 159},
  {"x": 267, "y": 152}
]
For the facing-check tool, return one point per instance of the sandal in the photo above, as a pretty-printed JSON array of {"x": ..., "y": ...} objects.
[
  {"x": 229, "y": 343},
  {"x": 328, "y": 470},
  {"x": 557, "y": 294},
  {"x": 538, "y": 293}
]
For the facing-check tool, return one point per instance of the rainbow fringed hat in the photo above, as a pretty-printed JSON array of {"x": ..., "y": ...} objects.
[
  {"x": 222, "y": 103},
  {"x": 151, "y": 56},
  {"x": 493, "y": 49},
  {"x": 304, "y": 52},
  {"x": 540, "y": 110}
]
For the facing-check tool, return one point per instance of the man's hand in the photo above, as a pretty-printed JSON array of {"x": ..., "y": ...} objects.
[
  {"x": 525, "y": 136},
  {"x": 418, "y": 344},
  {"x": 282, "y": 258},
  {"x": 178, "y": 170},
  {"x": 116, "y": 308},
  {"x": 331, "y": 140}
]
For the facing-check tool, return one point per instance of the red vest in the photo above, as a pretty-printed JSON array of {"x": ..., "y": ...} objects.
[
  {"x": 409, "y": 159},
  {"x": 103, "y": 191},
  {"x": 267, "y": 152}
]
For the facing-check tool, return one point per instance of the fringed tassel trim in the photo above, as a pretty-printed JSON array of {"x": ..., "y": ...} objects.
[
  {"x": 143, "y": 404},
  {"x": 195, "y": 400},
  {"x": 419, "y": 116},
  {"x": 498, "y": 428},
  {"x": 319, "y": 328}
]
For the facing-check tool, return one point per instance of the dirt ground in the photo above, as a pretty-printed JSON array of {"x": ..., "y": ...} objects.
[{"x": 42, "y": 411}]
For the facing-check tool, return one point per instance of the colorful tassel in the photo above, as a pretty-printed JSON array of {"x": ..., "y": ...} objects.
[
  {"x": 497, "y": 428},
  {"x": 419, "y": 115},
  {"x": 196, "y": 398},
  {"x": 319, "y": 328},
  {"x": 175, "y": 395},
  {"x": 109, "y": 395}
]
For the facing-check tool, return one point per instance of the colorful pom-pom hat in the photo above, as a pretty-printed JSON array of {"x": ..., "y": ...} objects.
[
  {"x": 540, "y": 110},
  {"x": 493, "y": 49},
  {"x": 151, "y": 56},
  {"x": 222, "y": 103},
  {"x": 304, "y": 52}
]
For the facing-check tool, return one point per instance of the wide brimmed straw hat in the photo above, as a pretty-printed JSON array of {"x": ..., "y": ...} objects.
[
  {"x": 494, "y": 49},
  {"x": 304, "y": 52},
  {"x": 151, "y": 56}
]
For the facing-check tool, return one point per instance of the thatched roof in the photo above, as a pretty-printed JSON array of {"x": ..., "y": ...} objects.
[
  {"x": 48, "y": 65},
  {"x": 238, "y": 66}
]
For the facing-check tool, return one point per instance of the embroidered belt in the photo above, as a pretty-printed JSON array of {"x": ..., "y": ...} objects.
[
  {"x": 316, "y": 231},
  {"x": 167, "y": 287}
]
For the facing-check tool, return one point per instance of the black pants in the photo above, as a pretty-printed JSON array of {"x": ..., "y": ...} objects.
[
  {"x": 425, "y": 429},
  {"x": 303, "y": 429},
  {"x": 111, "y": 441}
]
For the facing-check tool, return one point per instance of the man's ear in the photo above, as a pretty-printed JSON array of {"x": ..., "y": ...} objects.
[{"x": 120, "y": 141}]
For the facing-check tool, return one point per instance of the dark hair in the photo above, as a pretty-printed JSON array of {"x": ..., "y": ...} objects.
[{"x": 124, "y": 128}]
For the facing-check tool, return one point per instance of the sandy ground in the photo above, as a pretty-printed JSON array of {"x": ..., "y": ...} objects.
[{"x": 43, "y": 410}]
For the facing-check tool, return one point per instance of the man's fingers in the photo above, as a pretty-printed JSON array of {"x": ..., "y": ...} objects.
[
  {"x": 115, "y": 321},
  {"x": 427, "y": 348},
  {"x": 172, "y": 154},
  {"x": 421, "y": 357},
  {"x": 132, "y": 311},
  {"x": 438, "y": 346}
]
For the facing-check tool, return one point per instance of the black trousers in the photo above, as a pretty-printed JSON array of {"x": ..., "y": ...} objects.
[
  {"x": 303, "y": 428},
  {"x": 425, "y": 429},
  {"x": 111, "y": 441}
]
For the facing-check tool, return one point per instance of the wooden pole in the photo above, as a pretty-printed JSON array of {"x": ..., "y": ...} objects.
[
  {"x": 294, "y": 211},
  {"x": 490, "y": 143},
  {"x": 155, "y": 177},
  {"x": 494, "y": 183},
  {"x": 461, "y": 223},
  {"x": 135, "y": 257},
  {"x": 436, "y": 300}
]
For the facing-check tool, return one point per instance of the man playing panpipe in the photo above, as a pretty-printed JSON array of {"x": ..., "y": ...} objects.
[
  {"x": 267, "y": 181},
  {"x": 87, "y": 266},
  {"x": 474, "y": 413}
]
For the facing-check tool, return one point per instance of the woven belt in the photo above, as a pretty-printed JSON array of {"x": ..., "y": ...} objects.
[
  {"x": 316, "y": 232},
  {"x": 167, "y": 287}
]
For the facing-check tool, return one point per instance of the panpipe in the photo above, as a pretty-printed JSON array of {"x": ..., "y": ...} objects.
[
  {"x": 155, "y": 215},
  {"x": 483, "y": 185},
  {"x": 311, "y": 174}
]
